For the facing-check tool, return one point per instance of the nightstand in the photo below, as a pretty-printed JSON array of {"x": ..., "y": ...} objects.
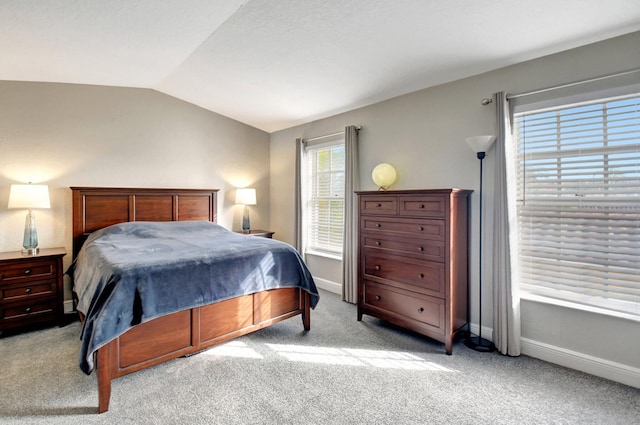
[
  {"x": 31, "y": 288},
  {"x": 260, "y": 233}
]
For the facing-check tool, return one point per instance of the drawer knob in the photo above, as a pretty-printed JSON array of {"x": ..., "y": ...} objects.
[
  {"x": 378, "y": 205},
  {"x": 377, "y": 268},
  {"x": 27, "y": 310},
  {"x": 421, "y": 309},
  {"x": 27, "y": 271},
  {"x": 378, "y": 225},
  {"x": 421, "y": 228},
  {"x": 378, "y": 243},
  {"x": 421, "y": 276},
  {"x": 27, "y": 291},
  {"x": 421, "y": 205},
  {"x": 420, "y": 248},
  {"x": 377, "y": 297}
]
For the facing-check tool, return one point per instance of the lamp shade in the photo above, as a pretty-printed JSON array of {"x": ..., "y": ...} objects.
[
  {"x": 383, "y": 175},
  {"x": 29, "y": 196},
  {"x": 246, "y": 196},
  {"x": 480, "y": 143}
]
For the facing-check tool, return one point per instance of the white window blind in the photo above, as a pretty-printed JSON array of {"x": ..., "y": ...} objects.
[
  {"x": 324, "y": 170},
  {"x": 578, "y": 203}
]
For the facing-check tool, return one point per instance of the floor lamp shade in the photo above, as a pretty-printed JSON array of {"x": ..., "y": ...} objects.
[
  {"x": 246, "y": 196},
  {"x": 480, "y": 145},
  {"x": 29, "y": 196}
]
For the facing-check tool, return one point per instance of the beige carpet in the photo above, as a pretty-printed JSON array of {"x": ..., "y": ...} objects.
[{"x": 341, "y": 372}]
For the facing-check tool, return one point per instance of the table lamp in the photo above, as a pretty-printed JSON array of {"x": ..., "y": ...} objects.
[{"x": 29, "y": 196}]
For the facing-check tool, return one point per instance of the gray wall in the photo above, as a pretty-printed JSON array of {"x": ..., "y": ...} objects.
[
  {"x": 422, "y": 134},
  {"x": 79, "y": 135}
]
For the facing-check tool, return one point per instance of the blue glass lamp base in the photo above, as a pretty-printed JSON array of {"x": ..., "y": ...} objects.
[
  {"x": 246, "y": 227},
  {"x": 30, "y": 237}
]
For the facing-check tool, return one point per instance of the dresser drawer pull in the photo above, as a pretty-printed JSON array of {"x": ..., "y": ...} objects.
[
  {"x": 420, "y": 248},
  {"x": 378, "y": 243},
  {"x": 421, "y": 205},
  {"x": 377, "y": 268},
  {"x": 27, "y": 310},
  {"x": 378, "y": 205},
  {"x": 378, "y": 225},
  {"x": 27, "y": 291},
  {"x": 27, "y": 271},
  {"x": 421, "y": 309},
  {"x": 421, "y": 276},
  {"x": 378, "y": 298},
  {"x": 421, "y": 228}
]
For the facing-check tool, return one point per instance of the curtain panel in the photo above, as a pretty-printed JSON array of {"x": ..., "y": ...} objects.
[
  {"x": 297, "y": 233},
  {"x": 350, "y": 239},
  {"x": 506, "y": 299}
]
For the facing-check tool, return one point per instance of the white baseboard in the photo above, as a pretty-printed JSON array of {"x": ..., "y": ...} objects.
[
  {"x": 603, "y": 368},
  {"x": 328, "y": 285},
  {"x": 487, "y": 333},
  {"x": 68, "y": 306}
]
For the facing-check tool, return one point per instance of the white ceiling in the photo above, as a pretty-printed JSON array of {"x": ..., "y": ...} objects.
[{"x": 274, "y": 64}]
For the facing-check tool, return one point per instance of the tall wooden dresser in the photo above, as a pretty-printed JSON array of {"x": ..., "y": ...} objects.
[{"x": 413, "y": 254}]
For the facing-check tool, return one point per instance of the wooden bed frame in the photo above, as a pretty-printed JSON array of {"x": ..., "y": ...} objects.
[{"x": 184, "y": 332}]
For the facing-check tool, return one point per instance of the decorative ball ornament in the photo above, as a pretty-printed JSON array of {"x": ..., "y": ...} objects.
[{"x": 383, "y": 175}]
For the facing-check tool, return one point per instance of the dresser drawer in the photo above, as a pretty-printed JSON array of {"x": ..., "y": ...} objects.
[
  {"x": 27, "y": 290},
  {"x": 28, "y": 311},
  {"x": 423, "y": 206},
  {"x": 428, "y": 310},
  {"x": 420, "y": 276},
  {"x": 33, "y": 270},
  {"x": 428, "y": 229},
  {"x": 417, "y": 248},
  {"x": 379, "y": 205}
]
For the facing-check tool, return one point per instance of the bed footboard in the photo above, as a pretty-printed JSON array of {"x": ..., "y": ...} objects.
[{"x": 190, "y": 331}]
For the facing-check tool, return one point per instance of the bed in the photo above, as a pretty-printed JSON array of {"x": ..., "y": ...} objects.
[{"x": 147, "y": 277}]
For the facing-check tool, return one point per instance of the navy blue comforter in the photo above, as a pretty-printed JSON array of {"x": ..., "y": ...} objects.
[{"x": 130, "y": 273}]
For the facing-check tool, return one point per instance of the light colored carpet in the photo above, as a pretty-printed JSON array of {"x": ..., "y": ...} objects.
[{"x": 341, "y": 372}]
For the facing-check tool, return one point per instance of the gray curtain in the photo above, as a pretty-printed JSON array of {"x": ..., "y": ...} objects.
[
  {"x": 297, "y": 233},
  {"x": 506, "y": 299},
  {"x": 350, "y": 240}
]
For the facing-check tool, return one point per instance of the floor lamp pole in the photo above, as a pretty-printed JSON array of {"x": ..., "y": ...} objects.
[{"x": 477, "y": 342}]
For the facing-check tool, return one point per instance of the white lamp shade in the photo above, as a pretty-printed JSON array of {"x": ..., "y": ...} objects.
[
  {"x": 480, "y": 143},
  {"x": 246, "y": 196},
  {"x": 29, "y": 196},
  {"x": 383, "y": 175}
]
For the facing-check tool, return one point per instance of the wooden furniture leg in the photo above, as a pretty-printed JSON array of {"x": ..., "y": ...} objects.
[
  {"x": 306, "y": 310},
  {"x": 104, "y": 377}
]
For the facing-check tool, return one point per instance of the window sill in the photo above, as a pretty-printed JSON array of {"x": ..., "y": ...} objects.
[
  {"x": 576, "y": 306},
  {"x": 331, "y": 256}
]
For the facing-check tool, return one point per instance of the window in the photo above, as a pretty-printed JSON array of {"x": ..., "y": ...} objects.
[
  {"x": 324, "y": 171},
  {"x": 578, "y": 203}
]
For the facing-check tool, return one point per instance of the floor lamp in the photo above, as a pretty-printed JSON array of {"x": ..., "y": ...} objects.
[{"x": 480, "y": 145}]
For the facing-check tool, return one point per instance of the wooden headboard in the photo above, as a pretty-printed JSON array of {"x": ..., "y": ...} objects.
[{"x": 98, "y": 207}]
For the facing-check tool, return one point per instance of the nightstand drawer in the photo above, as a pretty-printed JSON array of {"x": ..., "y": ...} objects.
[
  {"x": 28, "y": 311},
  {"x": 22, "y": 292},
  {"x": 34, "y": 270}
]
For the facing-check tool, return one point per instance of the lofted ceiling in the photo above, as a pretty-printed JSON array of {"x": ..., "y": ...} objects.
[{"x": 274, "y": 64}]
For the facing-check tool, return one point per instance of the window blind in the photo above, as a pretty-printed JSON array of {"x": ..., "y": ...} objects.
[
  {"x": 325, "y": 171},
  {"x": 578, "y": 202}
]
